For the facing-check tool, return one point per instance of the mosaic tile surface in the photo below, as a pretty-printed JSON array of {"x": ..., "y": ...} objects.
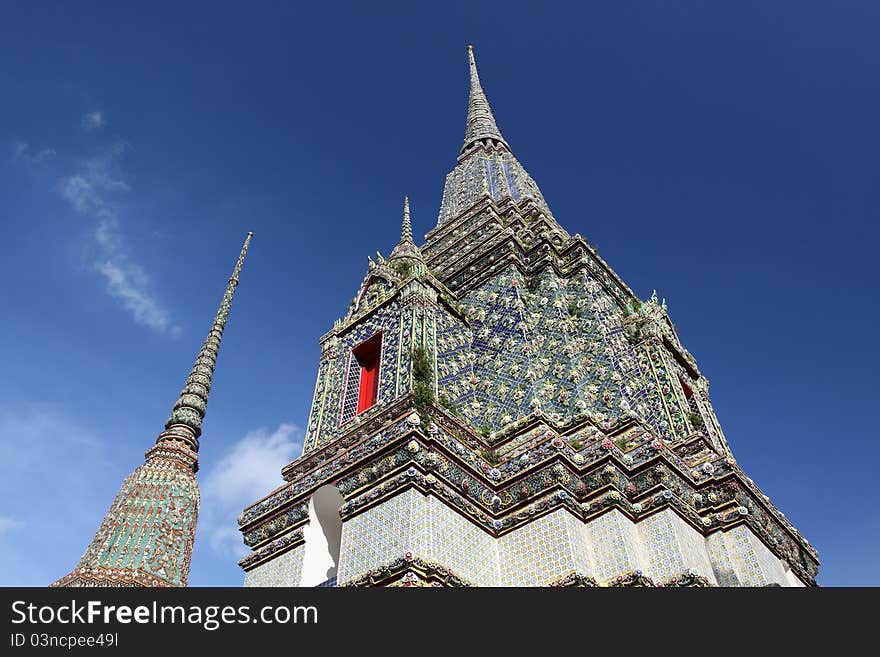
[
  {"x": 460, "y": 545},
  {"x": 284, "y": 570},
  {"x": 146, "y": 538},
  {"x": 543, "y": 550},
  {"x": 722, "y": 564},
  {"x": 750, "y": 560},
  {"x": 543, "y": 363},
  {"x": 672, "y": 547},
  {"x": 662, "y": 546},
  {"x": 616, "y": 545},
  {"x": 377, "y": 536}
]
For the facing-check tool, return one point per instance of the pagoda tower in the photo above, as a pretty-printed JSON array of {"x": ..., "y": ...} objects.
[
  {"x": 498, "y": 408},
  {"x": 146, "y": 538}
]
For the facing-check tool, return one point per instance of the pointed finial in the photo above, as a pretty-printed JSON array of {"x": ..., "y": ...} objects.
[
  {"x": 240, "y": 262},
  {"x": 406, "y": 248},
  {"x": 189, "y": 410},
  {"x": 406, "y": 229},
  {"x": 480, "y": 122}
]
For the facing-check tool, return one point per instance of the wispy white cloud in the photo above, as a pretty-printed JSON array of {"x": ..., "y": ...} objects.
[
  {"x": 22, "y": 152},
  {"x": 127, "y": 282},
  {"x": 247, "y": 471},
  {"x": 92, "y": 191},
  {"x": 93, "y": 120},
  {"x": 8, "y": 523}
]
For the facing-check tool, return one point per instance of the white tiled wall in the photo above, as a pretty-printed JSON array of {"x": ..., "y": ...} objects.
[
  {"x": 283, "y": 570},
  {"x": 662, "y": 546}
]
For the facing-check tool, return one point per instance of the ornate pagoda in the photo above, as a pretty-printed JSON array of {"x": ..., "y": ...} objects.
[
  {"x": 146, "y": 538},
  {"x": 498, "y": 408}
]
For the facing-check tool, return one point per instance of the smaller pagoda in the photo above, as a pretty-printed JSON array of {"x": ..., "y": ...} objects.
[{"x": 146, "y": 538}]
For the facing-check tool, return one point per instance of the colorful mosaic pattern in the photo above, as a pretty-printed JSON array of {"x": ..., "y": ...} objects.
[
  {"x": 486, "y": 165},
  {"x": 544, "y": 550},
  {"x": 711, "y": 495},
  {"x": 146, "y": 538},
  {"x": 609, "y": 549},
  {"x": 455, "y": 541},
  {"x": 414, "y": 523},
  {"x": 570, "y": 439},
  {"x": 487, "y": 170},
  {"x": 751, "y": 562},
  {"x": 370, "y": 539},
  {"x": 671, "y": 547},
  {"x": 284, "y": 570}
]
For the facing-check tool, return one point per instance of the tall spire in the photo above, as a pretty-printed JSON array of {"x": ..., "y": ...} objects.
[
  {"x": 480, "y": 122},
  {"x": 189, "y": 410},
  {"x": 488, "y": 171},
  {"x": 146, "y": 538}
]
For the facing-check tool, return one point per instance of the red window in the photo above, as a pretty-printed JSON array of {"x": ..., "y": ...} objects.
[
  {"x": 367, "y": 354},
  {"x": 688, "y": 392},
  {"x": 690, "y": 397}
]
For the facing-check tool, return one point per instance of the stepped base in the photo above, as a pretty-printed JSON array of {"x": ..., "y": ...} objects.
[{"x": 415, "y": 539}]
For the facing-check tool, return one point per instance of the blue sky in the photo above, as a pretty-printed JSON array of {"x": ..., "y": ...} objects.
[{"x": 726, "y": 156}]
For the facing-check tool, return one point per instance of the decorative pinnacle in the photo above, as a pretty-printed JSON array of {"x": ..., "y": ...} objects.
[
  {"x": 406, "y": 248},
  {"x": 406, "y": 229},
  {"x": 480, "y": 122},
  {"x": 189, "y": 410},
  {"x": 240, "y": 262}
]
